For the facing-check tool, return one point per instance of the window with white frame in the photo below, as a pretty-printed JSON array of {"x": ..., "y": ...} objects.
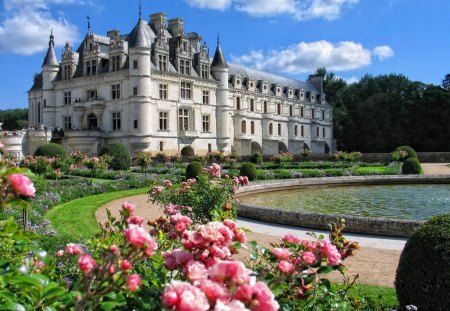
[
  {"x": 252, "y": 127},
  {"x": 91, "y": 67},
  {"x": 163, "y": 91},
  {"x": 115, "y": 91},
  {"x": 116, "y": 122},
  {"x": 186, "y": 88},
  {"x": 204, "y": 71},
  {"x": 243, "y": 127},
  {"x": 252, "y": 105},
  {"x": 323, "y": 115},
  {"x": 115, "y": 63},
  {"x": 67, "y": 123},
  {"x": 323, "y": 132},
  {"x": 278, "y": 109},
  {"x": 238, "y": 103},
  {"x": 313, "y": 113},
  {"x": 185, "y": 67},
  {"x": 183, "y": 119},
  {"x": 163, "y": 120},
  {"x": 206, "y": 123},
  {"x": 67, "y": 98},
  {"x": 317, "y": 132},
  {"x": 265, "y": 107},
  {"x": 162, "y": 62},
  {"x": 279, "y": 129},
  {"x": 302, "y": 131},
  {"x": 301, "y": 112},
  {"x": 67, "y": 70},
  {"x": 205, "y": 98},
  {"x": 291, "y": 111}
]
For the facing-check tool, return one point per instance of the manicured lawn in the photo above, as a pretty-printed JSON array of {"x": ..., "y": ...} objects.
[
  {"x": 77, "y": 218},
  {"x": 383, "y": 298}
]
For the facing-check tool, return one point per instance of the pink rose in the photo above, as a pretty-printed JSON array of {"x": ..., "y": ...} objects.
[
  {"x": 60, "y": 253},
  {"x": 331, "y": 252},
  {"x": 129, "y": 207},
  {"x": 22, "y": 185},
  {"x": 73, "y": 249},
  {"x": 125, "y": 265},
  {"x": 290, "y": 239},
  {"x": 285, "y": 266},
  {"x": 137, "y": 220},
  {"x": 195, "y": 271},
  {"x": 309, "y": 257},
  {"x": 167, "y": 183},
  {"x": 133, "y": 281},
  {"x": 230, "y": 272},
  {"x": 112, "y": 269},
  {"x": 137, "y": 236},
  {"x": 234, "y": 305},
  {"x": 86, "y": 263},
  {"x": 281, "y": 253},
  {"x": 183, "y": 296},
  {"x": 113, "y": 248},
  {"x": 215, "y": 291}
]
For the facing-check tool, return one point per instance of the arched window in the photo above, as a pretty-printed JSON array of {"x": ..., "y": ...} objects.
[
  {"x": 243, "y": 127},
  {"x": 238, "y": 103},
  {"x": 265, "y": 107},
  {"x": 270, "y": 129},
  {"x": 252, "y": 105},
  {"x": 279, "y": 129}
]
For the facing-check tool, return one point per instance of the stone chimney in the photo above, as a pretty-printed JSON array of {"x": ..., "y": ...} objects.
[{"x": 176, "y": 27}]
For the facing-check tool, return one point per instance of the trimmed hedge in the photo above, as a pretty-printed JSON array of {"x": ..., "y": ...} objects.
[
  {"x": 423, "y": 273},
  {"x": 193, "y": 169},
  {"x": 411, "y": 166},
  {"x": 256, "y": 158},
  {"x": 120, "y": 157},
  {"x": 248, "y": 169},
  {"x": 51, "y": 150},
  {"x": 411, "y": 152}
]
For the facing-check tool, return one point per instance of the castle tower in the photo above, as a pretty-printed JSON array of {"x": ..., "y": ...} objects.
[{"x": 219, "y": 69}]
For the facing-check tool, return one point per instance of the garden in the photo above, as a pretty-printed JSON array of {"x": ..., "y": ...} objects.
[{"x": 55, "y": 256}]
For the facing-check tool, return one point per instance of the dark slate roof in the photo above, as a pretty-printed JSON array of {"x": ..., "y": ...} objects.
[
  {"x": 218, "y": 59},
  {"x": 271, "y": 78},
  {"x": 37, "y": 83},
  {"x": 50, "y": 58},
  {"x": 141, "y": 36}
]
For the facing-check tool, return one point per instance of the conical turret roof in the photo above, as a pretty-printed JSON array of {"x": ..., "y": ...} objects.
[
  {"x": 219, "y": 60},
  {"x": 50, "y": 58},
  {"x": 140, "y": 36}
]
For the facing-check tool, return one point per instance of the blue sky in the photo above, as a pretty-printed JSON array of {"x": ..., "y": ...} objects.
[{"x": 288, "y": 37}]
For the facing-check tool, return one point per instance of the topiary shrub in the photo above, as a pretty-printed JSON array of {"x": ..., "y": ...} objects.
[
  {"x": 193, "y": 169},
  {"x": 256, "y": 158},
  {"x": 51, "y": 150},
  {"x": 403, "y": 153},
  {"x": 423, "y": 273},
  {"x": 120, "y": 158},
  {"x": 248, "y": 169},
  {"x": 411, "y": 166}
]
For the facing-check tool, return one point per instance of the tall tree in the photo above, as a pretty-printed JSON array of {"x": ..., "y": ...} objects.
[
  {"x": 446, "y": 82},
  {"x": 14, "y": 119}
]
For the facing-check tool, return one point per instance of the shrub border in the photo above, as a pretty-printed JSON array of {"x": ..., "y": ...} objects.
[{"x": 368, "y": 225}]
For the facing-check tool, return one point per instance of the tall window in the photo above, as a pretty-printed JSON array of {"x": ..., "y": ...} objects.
[
  {"x": 161, "y": 146},
  {"x": 313, "y": 113},
  {"x": 252, "y": 127},
  {"x": 323, "y": 132},
  {"x": 186, "y": 90},
  {"x": 115, "y": 63},
  {"x": 270, "y": 129},
  {"x": 302, "y": 130},
  {"x": 279, "y": 109},
  {"x": 290, "y": 111},
  {"x": 163, "y": 91},
  {"x": 295, "y": 130},
  {"x": 205, "y": 97},
  {"x": 185, "y": 67},
  {"x": 67, "y": 72},
  {"x": 135, "y": 64},
  {"x": 252, "y": 105},
  {"x": 323, "y": 115},
  {"x": 91, "y": 95},
  {"x": 279, "y": 129},
  {"x": 163, "y": 120},
  {"x": 91, "y": 67},
  {"x": 162, "y": 62},
  {"x": 205, "y": 123},
  {"x": 301, "y": 112},
  {"x": 317, "y": 132},
  {"x": 243, "y": 127},
  {"x": 115, "y": 91},
  {"x": 67, "y": 123},
  {"x": 238, "y": 103},
  {"x": 67, "y": 98},
  {"x": 204, "y": 71},
  {"x": 135, "y": 91},
  {"x": 116, "y": 124},
  {"x": 183, "y": 119},
  {"x": 265, "y": 107}
]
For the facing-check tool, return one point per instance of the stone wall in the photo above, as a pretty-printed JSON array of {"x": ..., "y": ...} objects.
[{"x": 378, "y": 226}]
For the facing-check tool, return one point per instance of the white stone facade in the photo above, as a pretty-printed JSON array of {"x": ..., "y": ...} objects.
[{"x": 156, "y": 89}]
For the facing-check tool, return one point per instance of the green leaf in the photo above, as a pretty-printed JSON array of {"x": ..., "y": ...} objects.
[
  {"x": 254, "y": 245},
  {"x": 254, "y": 255},
  {"x": 326, "y": 283},
  {"x": 237, "y": 245},
  {"x": 12, "y": 306},
  {"x": 17, "y": 203},
  {"x": 309, "y": 279},
  {"x": 326, "y": 269},
  {"x": 52, "y": 292}
]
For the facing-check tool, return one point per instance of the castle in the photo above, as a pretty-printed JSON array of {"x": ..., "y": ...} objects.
[{"x": 156, "y": 89}]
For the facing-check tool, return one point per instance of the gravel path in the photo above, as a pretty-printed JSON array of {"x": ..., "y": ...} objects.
[{"x": 436, "y": 168}]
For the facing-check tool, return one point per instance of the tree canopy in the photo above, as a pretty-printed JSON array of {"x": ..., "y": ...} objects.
[{"x": 14, "y": 119}]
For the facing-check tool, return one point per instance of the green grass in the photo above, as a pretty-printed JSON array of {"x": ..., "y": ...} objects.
[
  {"x": 382, "y": 298},
  {"x": 77, "y": 218}
]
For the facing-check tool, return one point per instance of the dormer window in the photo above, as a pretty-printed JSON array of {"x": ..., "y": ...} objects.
[
  {"x": 115, "y": 63},
  {"x": 91, "y": 67},
  {"x": 312, "y": 97},
  {"x": 265, "y": 87},
  {"x": 204, "y": 71},
  {"x": 67, "y": 72},
  {"x": 302, "y": 95},
  {"x": 162, "y": 62},
  {"x": 278, "y": 90},
  {"x": 185, "y": 67},
  {"x": 238, "y": 82},
  {"x": 251, "y": 85}
]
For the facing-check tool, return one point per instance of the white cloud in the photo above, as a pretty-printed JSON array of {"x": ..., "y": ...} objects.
[
  {"x": 352, "y": 80},
  {"x": 306, "y": 57},
  {"x": 383, "y": 52},
  {"x": 26, "y": 25},
  {"x": 299, "y": 9}
]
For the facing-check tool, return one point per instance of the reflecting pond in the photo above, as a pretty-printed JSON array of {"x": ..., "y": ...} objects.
[{"x": 389, "y": 201}]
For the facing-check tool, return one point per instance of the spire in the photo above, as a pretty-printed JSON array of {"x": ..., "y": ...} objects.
[
  {"x": 89, "y": 25},
  {"x": 140, "y": 9},
  {"x": 50, "y": 58},
  {"x": 219, "y": 59}
]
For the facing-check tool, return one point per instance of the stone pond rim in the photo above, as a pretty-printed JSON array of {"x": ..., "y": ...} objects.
[{"x": 357, "y": 224}]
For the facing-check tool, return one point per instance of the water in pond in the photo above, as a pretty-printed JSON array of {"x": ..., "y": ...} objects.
[{"x": 392, "y": 201}]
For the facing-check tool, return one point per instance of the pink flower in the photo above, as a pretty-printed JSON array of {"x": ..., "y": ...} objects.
[
  {"x": 22, "y": 185},
  {"x": 195, "y": 271},
  {"x": 136, "y": 220},
  {"x": 183, "y": 296},
  {"x": 125, "y": 265},
  {"x": 60, "y": 253},
  {"x": 214, "y": 170},
  {"x": 86, "y": 263},
  {"x": 234, "y": 305},
  {"x": 137, "y": 236},
  {"x": 281, "y": 253},
  {"x": 175, "y": 258},
  {"x": 308, "y": 257},
  {"x": 112, "y": 269},
  {"x": 243, "y": 180},
  {"x": 290, "y": 239},
  {"x": 258, "y": 297},
  {"x": 129, "y": 207},
  {"x": 229, "y": 272},
  {"x": 167, "y": 183},
  {"x": 113, "y": 248},
  {"x": 331, "y": 252},
  {"x": 285, "y": 266},
  {"x": 133, "y": 281},
  {"x": 74, "y": 249},
  {"x": 157, "y": 189},
  {"x": 214, "y": 291}
]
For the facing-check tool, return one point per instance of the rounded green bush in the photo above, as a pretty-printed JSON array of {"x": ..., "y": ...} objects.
[
  {"x": 248, "y": 169},
  {"x": 411, "y": 166},
  {"x": 120, "y": 157},
  {"x": 411, "y": 153},
  {"x": 193, "y": 169},
  {"x": 51, "y": 150},
  {"x": 423, "y": 273},
  {"x": 256, "y": 158}
]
